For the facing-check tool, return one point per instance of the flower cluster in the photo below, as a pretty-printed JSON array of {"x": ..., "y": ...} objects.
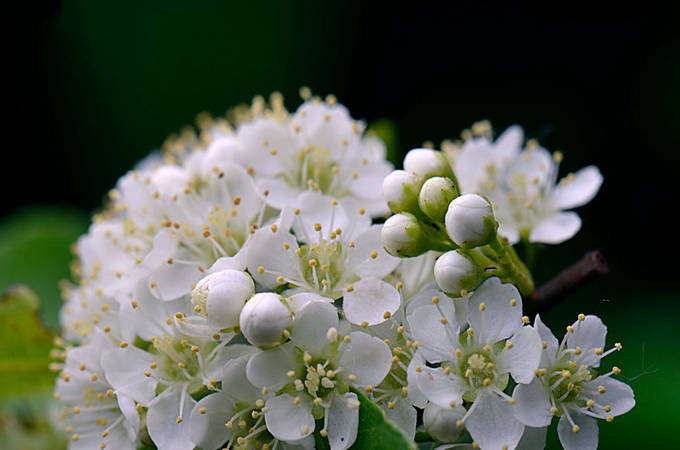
[{"x": 238, "y": 291}]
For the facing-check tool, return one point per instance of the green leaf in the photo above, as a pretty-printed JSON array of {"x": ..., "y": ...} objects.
[
  {"x": 376, "y": 432},
  {"x": 34, "y": 250},
  {"x": 25, "y": 345}
]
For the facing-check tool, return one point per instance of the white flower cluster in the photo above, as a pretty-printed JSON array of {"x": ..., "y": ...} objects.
[{"x": 236, "y": 294}]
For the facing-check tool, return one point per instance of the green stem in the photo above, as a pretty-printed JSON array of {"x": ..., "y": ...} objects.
[{"x": 514, "y": 269}]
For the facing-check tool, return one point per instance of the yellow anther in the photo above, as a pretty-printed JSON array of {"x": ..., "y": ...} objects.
[
  {"x": 601, "y": 389},
  {"x": 575, "y": 428},
  {"x": 459, "y": 353},
  {"x": 296, "y": 400},
  {"x": 513, "y": 302},
  {"x": 570, "y": 329},
  {"x": 581, "y": 317},
  {"x": 459, "y": 423},
  {"x": 509, "y": 344},
  {"x": 487, "y": 382},
  {"x": 618, "y": 346},
  {"x": 598, "y": 351},
  {"x": 470, "y": 331},
  {"x": 590, "y": 403},
  {"x": 352, "y": 377},
  {"x": 374, "y": 254},
  {"x": 578, "y": 351},
  {"x": 487, "y": 348},
  {"x": 482, "y": 306},
  {"x": 260, "y": 270},
  {"x": 443, "y": 320},
  {"x": 616, "y": 370},
  {"x": 435, "y": 299},
  {"x": 525, "y": 319},
  {"x": 123, "y": 344}
]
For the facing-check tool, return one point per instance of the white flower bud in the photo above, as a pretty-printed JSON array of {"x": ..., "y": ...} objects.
[
  {"x": 403, "y": 236},
  {"x": 441, "y": 424},
  {"x": 435, "y": 196},
  {"x": 425, "y": 163},
  {"x": 454, "y": 272},
  {"x": 400, "y": 190},
  {"x": 264, "y": 319},
  {"x": 470, "y": 221},
  {"x": 221, "y": 295}
]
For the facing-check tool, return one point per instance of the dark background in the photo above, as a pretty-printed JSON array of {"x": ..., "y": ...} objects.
[{"x": 97, "y": 87}]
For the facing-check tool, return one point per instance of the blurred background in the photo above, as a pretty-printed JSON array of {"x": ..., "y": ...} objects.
[{"x": 99, "y": 86}]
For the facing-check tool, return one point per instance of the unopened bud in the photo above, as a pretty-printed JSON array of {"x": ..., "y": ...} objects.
[
  {"x": 440, "y": 423},
  {"x": 264, "y": 319},
  {"x": 435, "y": 196},
  {"x": 400, "y": 189},
  {"x": 403, "y": 236},
  {"x": 470, "y": 221},
  {"x": 221, "y": 295},
  {"x": 426, "y": 163},
  {"x": 456, "y": 272}
]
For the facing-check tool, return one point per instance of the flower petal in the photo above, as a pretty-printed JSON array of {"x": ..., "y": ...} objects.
[
  {"x": 343, "y": 421},
  {"x": 372, "y": 301},
  {"x": 287, "y": 420},
  {"x": 268, "y": 368},
  {"x": 578, "y": 190},
  {"x": 585, "y": 439},
  {"x": 533, "y": 439},
  {"x": 532, "y": 404},
  {"x": 589, "y": 334},
  {"x": 208, "y": 418},
  {"x": 162, "y": 420},
  {"x": 125, "y": 367},
  {"x": 618, "y": 396},
  {"x": 492, "y": 424},
  {"x": 438, "y": 341},
  {"x": 523, "y": 358},
  {"x": 403, "y": 415},
  {"x": 498, "y": 319},
  {"x": 311, "y": 325},
  {"x": 368, "y": 258},
  {"x": 439, "y": 388},
  {"x": 268, "y": 249},
  {"x": 367, "y": 357},
  {"x": 556, "y": 229}
]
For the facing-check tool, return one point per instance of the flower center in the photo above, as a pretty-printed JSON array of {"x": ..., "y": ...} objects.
[
  {"x": 478, "y": 369},
  {"x": 323, "y": 266},
  {"x": 317, "y": 170}
]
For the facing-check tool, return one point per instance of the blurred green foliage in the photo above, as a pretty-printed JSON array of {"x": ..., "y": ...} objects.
[
  {"x": 34, "y": 250},
  {"x": 25, "y": 381}
]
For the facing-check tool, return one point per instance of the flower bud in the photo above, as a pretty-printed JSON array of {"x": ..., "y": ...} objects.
[
  {"x": 470, "y": 221},
  {"x": 435, "y": 196},
  {"x": 403, "y": 236},
  {"x": 455, "y": 272},
  {"x": 426, "y": 163},
  {"x": 400, "y": 190},
  {"x": 221, "y": 295},
  {"x": 441, "y": 423},
  {"x": 264, "y": 319}
]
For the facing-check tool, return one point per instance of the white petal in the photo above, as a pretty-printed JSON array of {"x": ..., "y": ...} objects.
[
  {"x": 492, "y": 424},
  {"x": 361, "y": 258},
  {"x": 415, "y": 395},
  {"x": 311, "y": 325},
  {"x": 579, "y": 190},
  {"x": 523, "y": 358},
  {"x": 367, "y": 357},
  {"x": 439, "y": 388},
  {"x": 281, "y": 194},
  {"x": 268, "y": 368},
  {"x": 532, "y": 404},
  {"x": 437, "y": 340},
  {"x": 618, "y": 396},
  {"x": 132, "y": 421},
  {"x": 125, "y": 367},
  {"x": 343, "y": 421},
  {"x": 162, "y": 418},
  {"x": 235, "y": 382},
  {"x": 403, "y": 415},
  {"x": 370, "y": 300},
  {"x": 546, "y": 336},
  {"x": 498, "y": 319},
  {"x": 207, "y": 428},
  {"x": 585, "y": 439},
  {"x": 588, "y": 334},
  {"x": 287, "y": 421},
  {"x": 266, "y": 249},
  {"x": 556, "y": 229},
  {"x": 298, "y": 301}
]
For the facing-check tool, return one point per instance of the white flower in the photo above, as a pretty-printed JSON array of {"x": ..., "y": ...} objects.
[
  {"x": 164, "y": 377},
  {"x": 470, "y": 221},
  {"x": 521, "y": 185},
  {"x": 567, "y": 385},
  {"x": 312, "y": 374},
  {"x": 265, "y": 319},
  {"x": 96, "y": 415},
  {"x": 235, "y": 414},
  {"x": 318, "y": 148},
  {"x": 440, "y": 423},
  {"x": 457, "y": 274},
  {"x": 426, "y": 163},
  {"x": 341, "y": 256},
  {"x": 474, "y": 366}
]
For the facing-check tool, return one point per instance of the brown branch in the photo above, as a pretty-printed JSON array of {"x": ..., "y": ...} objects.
[{"x": 571, "y": 279}]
